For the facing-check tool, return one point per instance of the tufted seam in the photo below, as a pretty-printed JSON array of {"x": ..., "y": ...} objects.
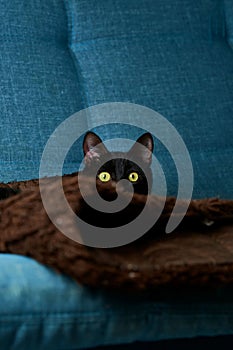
[
  {"x": 228, "y": 12},
  {"x": 70, "y": 29}
]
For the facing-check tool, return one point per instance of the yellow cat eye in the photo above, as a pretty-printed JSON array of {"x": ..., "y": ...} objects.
[
  {"x": 104, "y": 176},
  {"x": 133, "y": 177}
]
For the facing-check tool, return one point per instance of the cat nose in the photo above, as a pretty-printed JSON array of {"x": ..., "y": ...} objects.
[
  {"x": 124, "y": 186},
  {"x": 108, "y": 191},
  {"x": 113, "y": 184}
]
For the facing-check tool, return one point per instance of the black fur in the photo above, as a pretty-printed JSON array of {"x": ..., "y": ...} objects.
[{"x": 119, "y": 167}]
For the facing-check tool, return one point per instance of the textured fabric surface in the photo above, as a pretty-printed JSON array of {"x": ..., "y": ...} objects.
[
  {"x": 70, "y": 316},
  {"x": 171, "y": 56},
  {"x": 194, "y": 255},
  {"x": 229, "y": 20},
  {"x": 42, "y": 309},
  {"x": 39, "y": 87}
]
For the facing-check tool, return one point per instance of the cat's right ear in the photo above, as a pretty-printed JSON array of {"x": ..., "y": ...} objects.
[
  {"x": 145, "y": 153},
  {"x": 91, "y": 140}
]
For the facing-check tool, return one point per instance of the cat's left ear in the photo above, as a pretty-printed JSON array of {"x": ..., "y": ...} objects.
[
  {"x": 91, "y": 140},
  {"x": 143, "y": 153}
]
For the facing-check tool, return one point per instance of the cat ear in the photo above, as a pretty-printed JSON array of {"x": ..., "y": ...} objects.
[
  {"x": 143, "y": 153},
  {"x": 91, "y": 140}
]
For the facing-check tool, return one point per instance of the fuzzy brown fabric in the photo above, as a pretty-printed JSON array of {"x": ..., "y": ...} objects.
[{"x": 198, "y": 253}]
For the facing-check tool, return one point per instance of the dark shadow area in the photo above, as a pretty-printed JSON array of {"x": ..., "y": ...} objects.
[{"x": 199, "y": 343}]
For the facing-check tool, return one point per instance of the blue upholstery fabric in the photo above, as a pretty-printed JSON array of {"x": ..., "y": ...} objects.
[
  {"x": 43, "y": 310},
  {"x": 39, "y": 86},
  {"x": 172, "y": 56},
  {"x": 229, "y": 20}
]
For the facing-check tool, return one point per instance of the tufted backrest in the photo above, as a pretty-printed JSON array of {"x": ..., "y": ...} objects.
[{"x": 172, "y": 56}]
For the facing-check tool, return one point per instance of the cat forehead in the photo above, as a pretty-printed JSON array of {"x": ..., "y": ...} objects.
[
  {"x": 119, "y": 162},
  {"x": 113, "y": 157},
  {"x": 120, "y": 156}
]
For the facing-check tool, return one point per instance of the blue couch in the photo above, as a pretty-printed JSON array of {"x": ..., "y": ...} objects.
[{"x": 58, "y": 57}]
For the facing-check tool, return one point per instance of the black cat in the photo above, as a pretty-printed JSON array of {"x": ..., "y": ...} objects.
[
  {"x": 113, "y": 170},
  {"x": 119, "y": 167}
]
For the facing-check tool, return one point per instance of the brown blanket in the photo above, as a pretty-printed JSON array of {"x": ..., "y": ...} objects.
[{"x": 198, "y": 253}]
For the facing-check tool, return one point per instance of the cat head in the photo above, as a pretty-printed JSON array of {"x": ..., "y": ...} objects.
[{"x": 119, "y": 167}]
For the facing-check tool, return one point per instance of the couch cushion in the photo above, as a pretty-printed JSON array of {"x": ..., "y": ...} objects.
[
  {"x": 156, "y": 54},
  {"x": 39, "y": 86},
  {"x": 40, "y": 309},
  {"x": 173, "y": 57}
]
